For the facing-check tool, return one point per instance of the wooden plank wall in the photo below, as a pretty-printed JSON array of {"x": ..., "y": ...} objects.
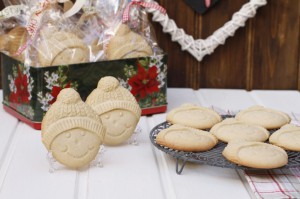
[{"x": 262, "y": 55}]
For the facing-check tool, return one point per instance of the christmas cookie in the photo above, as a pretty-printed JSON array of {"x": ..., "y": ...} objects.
[
  {"x": 255, "y": 154},
  {"x": 287, "y": 137},
  {"x": 127, "y": 44},
  {"x": 71, "y": 130},
  {"x": 232, "y": 129},
  {"x": 194, "y": 116},
  {"x": 265, "y": 117},
  {"x": 184, "y": 138},
  {"x": 13, "y": 40},
  {"x": 62, "y": 48},
  {"x": 118, "y": 109},
  {"x": 4, "y": 39}
]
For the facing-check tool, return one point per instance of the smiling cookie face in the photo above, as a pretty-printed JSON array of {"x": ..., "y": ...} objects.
[
  {"x": 120, "y": 125},
  {"x": 76, "y": 147}
]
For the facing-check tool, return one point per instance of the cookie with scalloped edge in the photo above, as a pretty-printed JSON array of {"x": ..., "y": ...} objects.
[
  {"x": 185, "y": 138},
  {"x": 287, "y": 137},
  {"x": 191, "y": 115},
  {"x": 232, "y": 129},
  {"x": 265, "y": 117},
  {"x": 255, "y": 154}
]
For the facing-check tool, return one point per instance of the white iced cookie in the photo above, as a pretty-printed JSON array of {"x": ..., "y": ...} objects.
[
  {"x": 265, "y": 117},
  {"x": 232, "y": 129},
  {"x": 287, "y": 137},
  {"x": 255, "y": 154},
  {"x": 118, "y": 109},
  {"x": 194, "y": 116},
  {"x": 184, "y": 138},
  {"x": 71, "y": 130}
]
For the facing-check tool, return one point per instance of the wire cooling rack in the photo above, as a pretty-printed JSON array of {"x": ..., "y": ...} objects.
[{"x": 212, "y": 157}]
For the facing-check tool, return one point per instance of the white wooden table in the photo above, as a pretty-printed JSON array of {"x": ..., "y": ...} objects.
[{"x": 129, "y": 172}]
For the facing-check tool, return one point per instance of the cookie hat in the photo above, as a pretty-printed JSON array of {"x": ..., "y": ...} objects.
[
  {"x": 127, "y": 44},
  {"x": 110, "y": 95},
  {"x": 69, "y": 112}
]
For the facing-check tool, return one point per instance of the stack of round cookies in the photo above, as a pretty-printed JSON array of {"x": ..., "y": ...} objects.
[
  {"x": 187, "y": 133},
  {"x": 247, "y": 134},
  {"x": 256, "y": 153}
]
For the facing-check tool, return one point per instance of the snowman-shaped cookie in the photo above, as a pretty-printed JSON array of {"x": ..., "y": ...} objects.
[
  {"x": 117, "y": 108},
  {"x": 71, "y": 130}
]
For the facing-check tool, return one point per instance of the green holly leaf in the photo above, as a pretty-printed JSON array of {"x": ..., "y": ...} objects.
[
  {"x": 63, "y": 80},
  {"x": 144, "y": 62}
]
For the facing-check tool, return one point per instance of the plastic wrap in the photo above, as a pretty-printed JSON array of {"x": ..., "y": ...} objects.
[
  {"x": 58, "y": 41},
  {"x": 12, "y": 30},
  {"x": 97, "y": 32}
]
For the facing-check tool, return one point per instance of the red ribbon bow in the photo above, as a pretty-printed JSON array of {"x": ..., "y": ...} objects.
[{"x": 126, "y": 14}]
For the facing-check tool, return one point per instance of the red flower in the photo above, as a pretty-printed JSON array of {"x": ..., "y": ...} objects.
[
  {"x": 13, "y": 100},
  {"x": 144, "y": 82},
  {"x": 56, "y": 90},
  {"x": 21, "y": 95}
]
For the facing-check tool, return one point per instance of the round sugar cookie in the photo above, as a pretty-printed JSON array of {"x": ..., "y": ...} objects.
[
  {"x": 13, "y": 40},
  {"x": 127, "y": 44},
  {"x": 265, "y": 117},
  {"x": 62, "y": 48},
  {"x": 232, "y": 129},
  {"x": 255, "y": 154},
  {"x": 194, "y": 116},
  {"x": 184, "y": 138},
  {"x": 287, "y": 137},
  {"x": 17, "y": 38},
  {"x": 4, "y": 41}
]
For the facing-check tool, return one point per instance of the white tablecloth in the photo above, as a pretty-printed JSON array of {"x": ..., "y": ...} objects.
[{"x": 129, "y": 171}]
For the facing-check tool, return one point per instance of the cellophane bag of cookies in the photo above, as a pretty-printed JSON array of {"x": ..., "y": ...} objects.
[
  {"x": 110, "y": 37},
  {"x": 130, "y": 38},
  {"x": 13, "y": 33},
  {"x": 54, "y": 45},
  {"x": 59, "y": 42},
  {"x": 96, "y": 32}
]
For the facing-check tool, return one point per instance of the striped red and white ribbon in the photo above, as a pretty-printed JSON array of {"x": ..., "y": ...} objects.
[{"x": 126, "y": 14}]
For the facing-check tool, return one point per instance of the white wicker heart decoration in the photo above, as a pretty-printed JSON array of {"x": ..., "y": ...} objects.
[{"x": 201, "y": 47}]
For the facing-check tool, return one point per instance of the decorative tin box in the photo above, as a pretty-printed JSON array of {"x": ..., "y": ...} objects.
[{"x": 29, "y": 91}]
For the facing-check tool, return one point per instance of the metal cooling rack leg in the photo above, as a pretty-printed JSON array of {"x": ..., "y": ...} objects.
[{"x": 179, "y": 171}]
